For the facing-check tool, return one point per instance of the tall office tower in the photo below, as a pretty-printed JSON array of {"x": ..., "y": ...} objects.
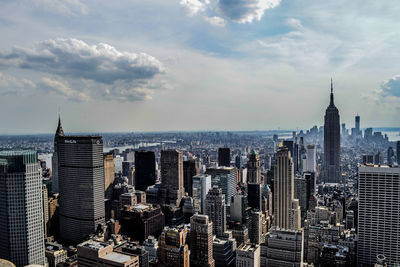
[
  {"x": 311, "y": 159},
  {"x": 201, "y": 241},
  {"x": 253, "y": 168},
  {"x": 398, "y": 152},
  {"x": 378, "y": 214},
  {"x": 368, "y": 159},
  {"x": 282, "y": 248},
  {"x": 81, "y": 186},
  {"x": 21, "y": 210},
  {"x": 357, "y": 125},
  {"x": 256, "y": 227},
  {"x": 331, "y": 165},
  {"x": 172, "y": 189},
  {"x": 248, "y": 255},
  {"x": 302, "y": 193},
  {"x": 224, "y": 156},
  {"x": 145, "y": 169},
  {"x": 118, "y": 164},
  {"x": 254, "y": 196},
  {"x": 390, "y": 155},
  {"x": 378, "y": 158},
  {"x": 54, "y": 159},
  {"x": 216, "y": 210},
  {"x": 238, "y": 208},
  {"x": 226, "y": 179},
  {"x": 286, "y": 209},
  {"x": 172, "y": 248},
  {"x": 311, "y": 182},
  {"x": 343, "y": 129},
  {"x": 109, "y": 175},
  {"x": 191, "y": 168},
  {"x": 201, "y": 186}
]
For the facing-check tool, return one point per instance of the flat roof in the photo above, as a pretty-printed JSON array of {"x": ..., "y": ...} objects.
[{"x": 117, "y": 257}]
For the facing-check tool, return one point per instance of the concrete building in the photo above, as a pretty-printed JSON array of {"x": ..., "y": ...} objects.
[
  {"x": 21, "y": 208},
  {"x": 378, "y": 214},
  {"x": 253, "y": 168},
  {"x": 118, "y": 164},
  {"x": 109, "y": 175},
  {"x": 55, "y": 254},
  {"x": 216, "y": 210},
  {"x": 201, "y": 241},
  {"x": 201, "y": 185},
  {"x": 93, "y": 253},
  {"x": 248, "y": 255},
  {"x": 256, "y": 222},
  {"x": 172, "y": 186},
  {"x": 226, "y": 179},
  {"x": 141, "y": 220},
  {"x": 173, "y": 250},
  {"x": 282, "y": 248},
  {"x": 286, "y": 207},
  {"x": 311, "y": 159},
  {"x": 224, "y": 252}
]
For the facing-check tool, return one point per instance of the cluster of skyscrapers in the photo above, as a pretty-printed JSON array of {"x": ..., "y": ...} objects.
[{"x": 296, "y": 204}]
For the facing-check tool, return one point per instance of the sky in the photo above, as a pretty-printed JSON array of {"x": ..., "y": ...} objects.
[{"x": 160, "y": 65}]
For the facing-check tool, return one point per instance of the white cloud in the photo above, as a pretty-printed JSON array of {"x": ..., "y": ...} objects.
[
  {"x": 62, "y": 88},
  {"x": 194, "y": 7},
  {"x": 62, "y": 6},
  {"x": 11, "y": 85},
  {"x": 124, "y": 73},
  {"x": 216, "y": 21}
]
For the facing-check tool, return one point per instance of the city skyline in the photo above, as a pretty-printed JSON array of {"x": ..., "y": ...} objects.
[{"x": 206, "y": 65}]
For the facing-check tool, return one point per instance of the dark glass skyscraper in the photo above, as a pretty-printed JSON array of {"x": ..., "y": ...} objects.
[
  {"x": 81, "y": 186},
  {"x": 331, "y": 165},
  {"x": 145, "y": 169},
  {"x": 224, "y": 156}
]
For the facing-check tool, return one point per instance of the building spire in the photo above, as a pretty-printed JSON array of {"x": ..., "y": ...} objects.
[
  {"x": 60, "y": 131},
  {"x": 331, "y": 103}
]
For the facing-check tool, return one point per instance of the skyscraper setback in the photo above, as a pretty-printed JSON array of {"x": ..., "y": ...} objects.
[
  {"x": 331, "y": 165},
  {"x": 81, "y": 185}
]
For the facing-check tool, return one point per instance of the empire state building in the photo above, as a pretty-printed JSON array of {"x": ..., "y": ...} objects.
[{"x": 331, "y": 165}]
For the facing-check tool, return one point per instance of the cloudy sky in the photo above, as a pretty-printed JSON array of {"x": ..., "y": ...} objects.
[{"x": 135, "y": 65}]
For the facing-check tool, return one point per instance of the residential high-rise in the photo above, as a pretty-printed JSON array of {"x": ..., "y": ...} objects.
[
  {"x": 201, "y": 241},
  {"x": 253, "y": 168},
  {"x": 81, "y": 186},
  {"x": 224, "y": 156},
  {"x": 190, "y": 168},
  {"x": 172, "y": 189},
  {"x": 201, "y": 186},
  {"x": 226, "y": 179},
  {"x": 109, "y": 175},
  {"x": 172, "y": 248},
  {"x": 378, "y": 214},
  {"x": 331, "y": 164},
  {"x": 21, "y": 209},
  {"x": 216, "y": 210},
  {"x": 286, "y": 208},
  {"x": 145, "y": 169}
]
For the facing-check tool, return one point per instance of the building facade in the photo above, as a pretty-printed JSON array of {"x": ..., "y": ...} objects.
[
  {"x": 172, "y": 187},
  {"x": 145, "y": 169},
  {"x": 216, "y": 210},
  {"x": 201, "y": 241}
]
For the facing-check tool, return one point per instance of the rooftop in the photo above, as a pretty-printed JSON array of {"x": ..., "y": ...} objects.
[{"x": 117, "y": 257}]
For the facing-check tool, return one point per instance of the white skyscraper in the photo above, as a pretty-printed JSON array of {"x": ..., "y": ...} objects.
[
  {"x": 287, "y": 209},
  {"x": 311, "y": 159},
  {"x": 21, "y": 210},
  {"x": 118, "y": 163},
  {"x": 378, "y": 214},
  {"x": 201, "y": 185}
]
